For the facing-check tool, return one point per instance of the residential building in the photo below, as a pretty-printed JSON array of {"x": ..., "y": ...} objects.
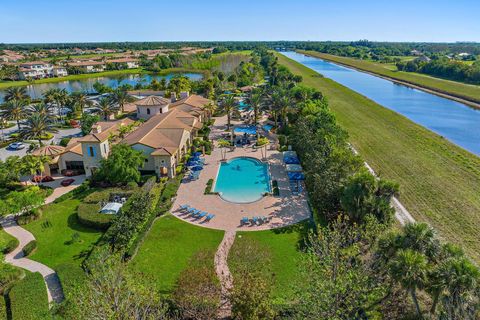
[
  {"x": 88, "y": 66},
  {"x": 35, "y": 70},
  {"x": 128, "y": 63}
]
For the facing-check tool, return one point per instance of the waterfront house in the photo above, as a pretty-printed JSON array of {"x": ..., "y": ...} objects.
[
  {"x": 35, "y": 70},
  {"x": 88, "y": 66},
  {"x": 124, "y": 63}
]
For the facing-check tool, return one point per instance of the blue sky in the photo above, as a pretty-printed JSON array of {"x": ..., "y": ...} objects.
[{"x": 149, "y": 20}]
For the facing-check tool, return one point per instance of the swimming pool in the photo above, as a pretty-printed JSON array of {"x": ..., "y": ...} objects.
[
  {"x": 242, "y": 180},
  {"x": 245, "y": 129}
]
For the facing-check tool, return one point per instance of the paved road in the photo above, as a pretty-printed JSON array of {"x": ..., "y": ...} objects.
[{"x": 64, "y": 133}]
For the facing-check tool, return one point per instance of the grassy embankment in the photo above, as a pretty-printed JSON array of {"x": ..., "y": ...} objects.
[
  {"x": 6, "y": 84},
  {"x": 439, "y": 182},
  {"x": 454, "y": 88},
  {"x": 168, "y": 248}
]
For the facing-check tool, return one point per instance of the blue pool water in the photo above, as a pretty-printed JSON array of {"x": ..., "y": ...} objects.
[
  {"x": 247, "y": 130},
  {"x": 244, "y": 106},
  {"x": 267, "y": 127},
  {"x": 242, "y": 180}
]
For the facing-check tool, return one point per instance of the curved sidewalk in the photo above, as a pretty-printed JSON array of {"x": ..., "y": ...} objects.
[{"x": 17, "y": 258}]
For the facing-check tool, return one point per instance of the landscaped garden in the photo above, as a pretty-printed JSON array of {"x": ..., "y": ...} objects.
[{"x": 168, "y": 248}]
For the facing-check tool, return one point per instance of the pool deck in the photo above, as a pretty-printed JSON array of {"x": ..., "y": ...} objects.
[{"x": 284, "y": 210}]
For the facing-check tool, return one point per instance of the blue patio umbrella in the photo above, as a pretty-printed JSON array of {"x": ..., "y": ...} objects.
[
  {"x": 291, "y": 160},
  {"x": 197, "y": 168},
  {"x": 197, "y": 154},
  {"x": 296, "y": 176}
]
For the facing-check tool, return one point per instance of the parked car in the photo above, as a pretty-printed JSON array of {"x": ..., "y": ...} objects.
[
  {"x": 16, "y": 146},
  {"x": 71, "y": 173},
  {"x": 38, "y": 179},
  {"x": 67, "y": 182}
]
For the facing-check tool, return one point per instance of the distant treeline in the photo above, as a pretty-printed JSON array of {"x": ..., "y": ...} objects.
[
  {"x": 453, "y": 70},
  {"x": 334, "y": 47}
]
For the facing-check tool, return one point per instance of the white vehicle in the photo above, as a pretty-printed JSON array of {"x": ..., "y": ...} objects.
[{"x": 16, "y": 146}]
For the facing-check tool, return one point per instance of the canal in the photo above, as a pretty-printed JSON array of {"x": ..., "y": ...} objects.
[{"x": 453, "y": 120}]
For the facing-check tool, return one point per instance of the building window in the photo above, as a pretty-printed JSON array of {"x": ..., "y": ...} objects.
[
  {"x": 91, "y": 152},
  {"x": 148, "y": 110},
  {"x": 105, "y": 148}
]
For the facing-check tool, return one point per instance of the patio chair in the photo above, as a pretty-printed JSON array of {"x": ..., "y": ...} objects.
[
  {"x": 195, "y": 213},
  {"x": 191, "y": 210},
  {"x": 254, "y": 220},
  {"x": 201, "y": 215},
  {"x": 209, "y": 217},
  {"x": 184, "y": 207},
  {"x": 244, "y": 221}
]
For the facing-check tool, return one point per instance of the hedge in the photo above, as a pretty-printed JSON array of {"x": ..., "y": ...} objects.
[
  {"x": 29, "y": 247},
  {"x": 8, "y": 275},
  {"x": 10, "y": 246},
  {"x": 71, "y": 275},
  {"x": 3, "y": 307},
  {"x": 81, "y": 189},
  {"x": 28, "y": 298},
  {"x": 88, "y": 214}
]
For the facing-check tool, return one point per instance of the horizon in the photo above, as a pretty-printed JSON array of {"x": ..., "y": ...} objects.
[{"x": 189, "y": 21}]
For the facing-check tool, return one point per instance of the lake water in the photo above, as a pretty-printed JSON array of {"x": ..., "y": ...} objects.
[
  {"x": 36, "y": 90},
  {"x": 455, "y": 121}
]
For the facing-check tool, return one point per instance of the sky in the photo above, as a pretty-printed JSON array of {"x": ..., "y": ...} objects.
[{"x": 34, "y": 21}]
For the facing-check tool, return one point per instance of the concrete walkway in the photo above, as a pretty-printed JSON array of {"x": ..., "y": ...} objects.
[
  {"x": 223, "y": 273},
  {"x": 17, "y": 258}
]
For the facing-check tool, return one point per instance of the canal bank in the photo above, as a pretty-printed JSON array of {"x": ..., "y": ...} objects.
[
  {"x": 473, "y": 102},
  {"x": 439, "y": 181}
]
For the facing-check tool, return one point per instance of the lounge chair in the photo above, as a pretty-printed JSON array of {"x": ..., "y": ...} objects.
[
  {"x": 195, "y": 213},
  {"x": 191, "y": 210},
  {"x": 244, "y": 221},
  {"x": 254, "y": 220},
  {"x": 209, "y": 217},
  {"x": 184, "y": 207},
  {"x": 201, "y": 215}
]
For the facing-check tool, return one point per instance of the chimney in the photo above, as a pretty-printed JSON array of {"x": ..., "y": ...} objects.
[
  {"x": 173, "y": 96},
  {"x": 184, "y": 94},
  {"x": 97, "y": 128}
]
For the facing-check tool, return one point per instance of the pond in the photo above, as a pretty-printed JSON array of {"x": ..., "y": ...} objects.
[
  {"x": 36, "y": 90},
  {"x": 453, "y": 120}
]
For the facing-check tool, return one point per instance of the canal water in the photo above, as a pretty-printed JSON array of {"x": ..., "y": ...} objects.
[
  {"x": 453, "y": 120},
  {"x": 36, "y": 90}
]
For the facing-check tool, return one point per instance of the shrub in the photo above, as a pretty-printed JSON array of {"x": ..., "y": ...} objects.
[
  {"x": 132, "y": 185},
  {"x": 3, "y": 308},
  {"x": 28, "y": 298},
  {"x": 10, "y": 246},
  {"x": 64, "y": 142},
  {"x": 282, "y": 140},
  {"x": 29, "y": 247},
  {"x": 8, "y": 275},
  {"x": 71, "y": 275},
  {"x": 275, "y": 190},
  {"x": 75, "y": 192},
  {"x": 208, "y": 188},
  {"x": 88, "y": 214},
  {"x": 170, "y": 190}
]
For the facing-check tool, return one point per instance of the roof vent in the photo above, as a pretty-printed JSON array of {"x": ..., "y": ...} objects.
[{"x": 173, "y": 96}]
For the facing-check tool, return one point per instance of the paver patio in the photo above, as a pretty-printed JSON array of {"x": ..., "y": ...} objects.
[{"x": 285, "y": 209}]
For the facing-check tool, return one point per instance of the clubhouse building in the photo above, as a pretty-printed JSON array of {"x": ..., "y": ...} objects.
[{"x": 164, "y": 137}]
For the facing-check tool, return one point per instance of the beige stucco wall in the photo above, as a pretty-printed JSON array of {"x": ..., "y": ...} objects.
[
  {"x": 68, "y": 156},
  {"x": 150, "y": 163},
  {"x": 101, "y": 151}
]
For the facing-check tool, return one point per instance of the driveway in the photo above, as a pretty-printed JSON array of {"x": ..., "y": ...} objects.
[{"x": 63, "y": 133}]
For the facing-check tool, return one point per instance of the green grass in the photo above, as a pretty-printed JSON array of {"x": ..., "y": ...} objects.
[
  {"x": 28, "y": 298},
  {"x": 6, "y": 84},
  {"x": 283, "y": 246},
  {"x": 168, "y": 248},
  {"x": 439, "y": 182},
  {"x": 5, "y": 238},
  {"x": 3, "y": 308},
  {"x": 454, "y": 88}
]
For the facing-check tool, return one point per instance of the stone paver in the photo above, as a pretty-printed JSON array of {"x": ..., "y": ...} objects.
[
  {"x": 17, "y": 258},
  {"x": 223, "y": 273},
  {"x": 285, "y": 209}
]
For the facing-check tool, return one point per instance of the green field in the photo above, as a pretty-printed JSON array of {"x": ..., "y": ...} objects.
[
  {"x": 457, "y": 89},
  {"x": 168, "y": 248},
  {"x": 283, "y": 245},
  {"x": 439, "y": 182},
  {"x": 54, "y": 232}
]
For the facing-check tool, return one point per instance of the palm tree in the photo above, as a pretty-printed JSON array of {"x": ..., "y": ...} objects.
[
  {"x": 422, "y": 238},
  {"x": 16, "y": 93},
  {"x": 106, "y": 107},
  {"x": 36, "y": 126},
  {"x": 41, "y": 109},
  {"x": 409, "y": 268},
  {"x": 228, "y": 106},
  {"x": 121, "y": 97},
  {"x": 57, "y": 97},
  {"x": 80, "y": 101},
  {"x": 223, "y": 144},
  {"x": 256, "y": 102},
  {"x": 14, "y": 110},
  {"x": 31, "y": 165}
]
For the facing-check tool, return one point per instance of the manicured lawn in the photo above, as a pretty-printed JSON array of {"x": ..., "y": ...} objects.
[
  {"x": 439, "y": 182},
  {"x": 284, "y": 248},
  {"x": 169, "y": 246},
  {"x": 458, "y": 89},
  {"x": 28, "y": 298},
  {"x": 54, "y": 231},
  {"x": 4, "y": 239}
]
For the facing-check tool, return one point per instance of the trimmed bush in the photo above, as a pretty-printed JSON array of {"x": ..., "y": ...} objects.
[
  {"x": 88, "y": 215},
  {"x": 8, "y": 275},
  {"x": 276, "y": 191},
  {"x": 170, "y": 190},
  {"x": 282, "y": 140},
  {"x": 71, "y": 275},
  {"x": 10, "y": 246},
  {"x": 29, "y": 247},
  {"x": 28, "y": 298},
  {"x": 75, "y": 192},
  {"x": 3, "y": 307}
]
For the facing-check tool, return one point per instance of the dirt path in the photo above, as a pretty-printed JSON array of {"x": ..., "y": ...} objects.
[
  {"x": 17, "y": 258},
  {"x": 223, "y": 273}
]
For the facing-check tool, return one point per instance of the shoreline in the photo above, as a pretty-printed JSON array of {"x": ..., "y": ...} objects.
[
  {"x": 76, "y": 77},
  {"x": 472, "y": 104}
]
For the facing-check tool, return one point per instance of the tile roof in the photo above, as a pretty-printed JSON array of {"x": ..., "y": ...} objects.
[
  {"x": 152, "y": 101},
  {"x": 107, "y": 128}
]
